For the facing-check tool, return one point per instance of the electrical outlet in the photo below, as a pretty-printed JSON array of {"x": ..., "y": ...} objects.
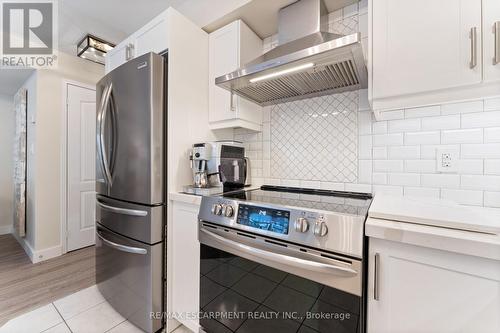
[{"x": 447, "y": 160}]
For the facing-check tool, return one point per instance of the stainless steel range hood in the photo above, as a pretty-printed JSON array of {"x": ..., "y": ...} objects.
[{"x": 308, "y": 62}]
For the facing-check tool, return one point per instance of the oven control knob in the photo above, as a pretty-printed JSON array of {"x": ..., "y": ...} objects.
[
  {"x": 320, "y": 228},
  {"x": 228, "y": 211},
  {"x": 217, "y": 209},
  {"x": 301, "y": 224}
]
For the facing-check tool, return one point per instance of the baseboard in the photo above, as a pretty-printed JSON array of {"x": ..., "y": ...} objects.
[
  {"x": 46, "y": 254},
  {"x": 5, "y": 229},
  {"x": 40, "y": 255},
  {"x": 25, "y": 245}
]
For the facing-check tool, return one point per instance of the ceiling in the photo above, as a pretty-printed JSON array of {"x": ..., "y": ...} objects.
[
  {"x": 262, "y": 15},
  {"x": 112, "y": 20}
]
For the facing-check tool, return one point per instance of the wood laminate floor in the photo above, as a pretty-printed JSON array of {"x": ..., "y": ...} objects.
[{"x": 25, "y": 286}]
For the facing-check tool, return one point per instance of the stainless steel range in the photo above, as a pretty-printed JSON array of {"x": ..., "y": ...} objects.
[{"x": 281, "y": 259}]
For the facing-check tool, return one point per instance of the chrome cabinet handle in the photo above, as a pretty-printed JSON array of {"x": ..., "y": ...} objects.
[
  {"x": 124, "y": 211},
  {"x": 496, "y": 31},
  {"x": 376, "y": 266},
  {"x": 120, "y": 247},
  {"x": 283, "y": 259},
  {"x": 102, "y": 126},
  {"x": 473, "y": 48},
  {"x": 233, "y": 108},
  {"x": 129, "y": 51}
]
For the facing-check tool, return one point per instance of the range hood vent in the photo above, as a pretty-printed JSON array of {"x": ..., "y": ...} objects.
[{"x": 307, "y": 62}]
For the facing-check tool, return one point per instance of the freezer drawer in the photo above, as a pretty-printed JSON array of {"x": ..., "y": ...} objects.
[
  {"x": 143, "y": 223},
  {"x": 129, "y": 275}
]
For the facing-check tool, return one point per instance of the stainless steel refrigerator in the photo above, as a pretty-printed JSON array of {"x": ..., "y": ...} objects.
[{"x": 131, "y": 173}]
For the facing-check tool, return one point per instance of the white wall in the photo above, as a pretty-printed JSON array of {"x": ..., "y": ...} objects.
[
  {"x": 45, "y": 108},
  {"x": 50, "y": 109},
  {"x": 6, "y": 163}
]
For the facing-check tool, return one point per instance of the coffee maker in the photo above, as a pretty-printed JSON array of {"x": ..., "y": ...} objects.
[
  {"x": 218, "y": 166},
  {"x": 199, "y": 156}
]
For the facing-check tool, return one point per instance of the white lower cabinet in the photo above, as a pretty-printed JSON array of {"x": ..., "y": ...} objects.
[
  {"x": 185, "y": 264},
  {"x": 415, "y": 289}
]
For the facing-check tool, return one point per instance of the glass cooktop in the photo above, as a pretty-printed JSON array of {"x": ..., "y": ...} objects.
[{"x": 335, "y": 201}]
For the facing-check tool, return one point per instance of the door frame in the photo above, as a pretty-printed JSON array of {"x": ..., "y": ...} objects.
[{"x": 63, "y": 214}]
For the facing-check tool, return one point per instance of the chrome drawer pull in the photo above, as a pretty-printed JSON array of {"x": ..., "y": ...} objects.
[
  {"x": 124, "y": 211},
  {"x": 123, "y": 248}
]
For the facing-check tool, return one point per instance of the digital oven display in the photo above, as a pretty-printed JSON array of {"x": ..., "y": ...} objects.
[{"x": 273, "y": 220}]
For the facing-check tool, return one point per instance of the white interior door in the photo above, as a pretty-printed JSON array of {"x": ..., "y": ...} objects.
[{"x": 81, "y": 131}]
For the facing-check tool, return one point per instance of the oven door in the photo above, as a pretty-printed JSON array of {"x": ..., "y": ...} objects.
[{"x": 251, "y": 283}]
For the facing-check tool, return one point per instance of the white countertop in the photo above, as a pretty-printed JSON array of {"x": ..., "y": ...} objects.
[
  {"x": 193, "y": 198},
  {"x": 443, "y": 213},
  {"x": 185, "y": 198},
  {"x": 439, "y": 224}
]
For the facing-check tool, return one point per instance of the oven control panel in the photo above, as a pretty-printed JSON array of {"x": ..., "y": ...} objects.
[
  {"x": 270, "y": 219},
  {"x": 264, "y": 218},
  {"x": 302, "y": 226}
]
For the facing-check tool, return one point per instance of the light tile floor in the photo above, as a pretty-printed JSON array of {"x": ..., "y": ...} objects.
[{"x": 85, "y": 311}]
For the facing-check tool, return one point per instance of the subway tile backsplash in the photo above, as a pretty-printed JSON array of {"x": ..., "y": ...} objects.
[{"x": 333, "y": 142}]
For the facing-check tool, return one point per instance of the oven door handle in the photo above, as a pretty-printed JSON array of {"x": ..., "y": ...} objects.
[{"x": 281, "y": 258}]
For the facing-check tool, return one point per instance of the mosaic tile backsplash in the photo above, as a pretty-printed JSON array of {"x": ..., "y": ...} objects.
[{"x": 315, "y": 139}]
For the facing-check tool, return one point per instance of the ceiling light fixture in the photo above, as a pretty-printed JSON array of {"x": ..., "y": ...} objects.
[
  {"x": 283, "y": 72},
  {"x": 93, "y": 48}
]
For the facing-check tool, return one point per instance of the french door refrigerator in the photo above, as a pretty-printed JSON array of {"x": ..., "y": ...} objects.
[{"x": 131, "y": 189}]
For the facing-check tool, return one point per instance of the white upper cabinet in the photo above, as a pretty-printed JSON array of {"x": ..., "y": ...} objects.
[
  {"x": 424, "y": 45},
  {"x": 229, "y": 48},
  {"x": 117, "y": 56},
  {"x": 153, "y": 37},
  {"x": 491, "y": 39},
  {"x": 431, "y": 51}
]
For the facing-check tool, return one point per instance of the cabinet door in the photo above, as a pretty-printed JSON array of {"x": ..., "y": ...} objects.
[
  {"x": 250, "y": 48},
  {"x": 427, "y": 290},
  {"x": 117, "y": 56},
  {"x": 491, "y": 40},
  {"x": 424, "y": 45},
  {"x": 186, "y": 262},
  {"x": 223, "y": 58},
  {"x": 153, "y": 37}
]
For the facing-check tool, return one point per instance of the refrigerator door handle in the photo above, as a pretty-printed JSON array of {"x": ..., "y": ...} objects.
[
  {"x": 120, "y": 247},
  {"x": 102, "y": 126},
  {"x": 99, "y": 125},
  {"x": 132, "y": 212}
]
